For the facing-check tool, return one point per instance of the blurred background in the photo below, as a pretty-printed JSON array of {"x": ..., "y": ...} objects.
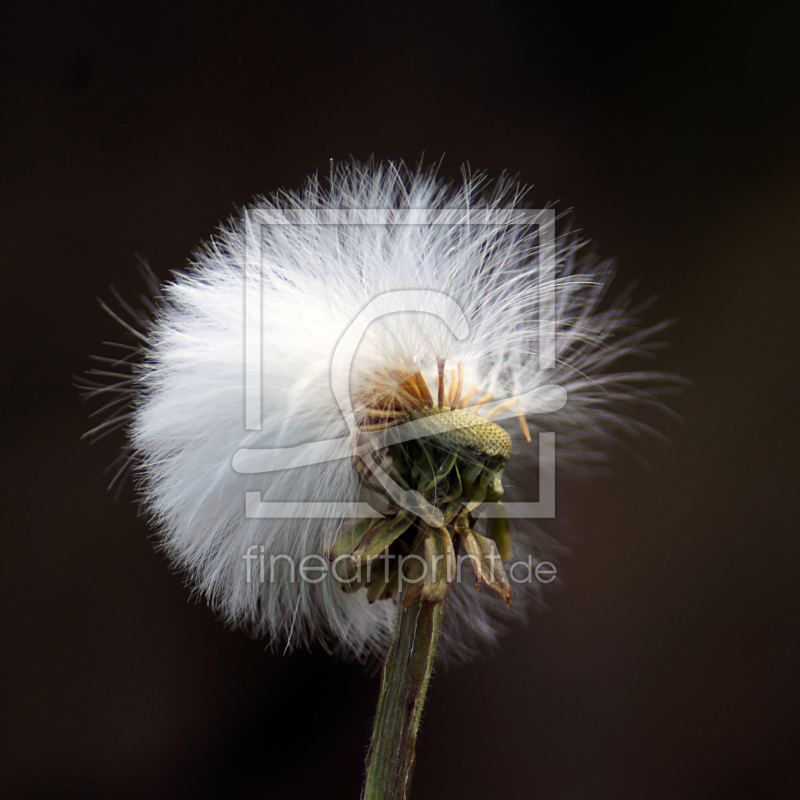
[{"x": 667, "y": 663}]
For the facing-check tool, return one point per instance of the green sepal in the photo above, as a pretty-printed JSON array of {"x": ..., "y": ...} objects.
[
  {"x": 350, "y": 534},
  {"x": 440, "y": 560},
  {"x": 498, "y": 528},
  {"x": 346, "y": 570},
  {"x": 470, "y": 474},
  {"x": 495, "y": 487},
  {"x": 486, "y": 562},
  {"x": 385, "y": 580},
  {"x": 455, "y": 490},
  {"x": 434, "y": 473},
  {"x": 478, "y": 493},
  {"x": 382, "y": 535}
]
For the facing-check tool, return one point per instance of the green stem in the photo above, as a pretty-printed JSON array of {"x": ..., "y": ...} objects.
[{"x": 404, "y": 683}]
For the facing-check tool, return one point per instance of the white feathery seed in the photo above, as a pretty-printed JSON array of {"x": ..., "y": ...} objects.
[{"x": 184, "y": 401}]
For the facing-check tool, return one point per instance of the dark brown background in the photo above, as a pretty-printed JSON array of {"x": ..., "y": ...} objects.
[{"x": 667, "y": 664}]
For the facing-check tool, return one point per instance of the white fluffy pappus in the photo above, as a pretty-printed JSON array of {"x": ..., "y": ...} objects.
[{"x": 388, "y": 230}]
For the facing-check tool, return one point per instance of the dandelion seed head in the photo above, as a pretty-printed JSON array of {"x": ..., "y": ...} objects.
[{"x": 186, "y": 401}]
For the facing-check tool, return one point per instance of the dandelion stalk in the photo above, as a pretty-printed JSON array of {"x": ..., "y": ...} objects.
[{"x": 404, "y": 684}]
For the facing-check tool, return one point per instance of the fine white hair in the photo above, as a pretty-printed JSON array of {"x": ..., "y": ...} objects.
[{"x": 184, "y": 406}]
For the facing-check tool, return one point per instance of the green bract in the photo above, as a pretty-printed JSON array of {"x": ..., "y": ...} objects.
[{"x": 455, "y": 465}]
